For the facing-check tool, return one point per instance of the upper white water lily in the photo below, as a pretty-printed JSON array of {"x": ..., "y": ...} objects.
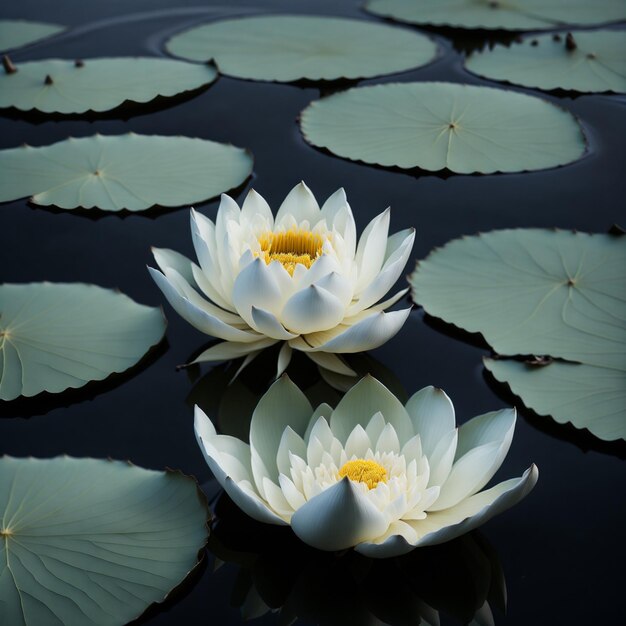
[
  {"x": 299, "y": 278},
  {"x": 371, "y": 473}
]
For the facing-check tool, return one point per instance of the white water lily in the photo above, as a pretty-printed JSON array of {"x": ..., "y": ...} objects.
[
  {"x": 299, "y": 278},
  {"x": 370, "y": 474}
]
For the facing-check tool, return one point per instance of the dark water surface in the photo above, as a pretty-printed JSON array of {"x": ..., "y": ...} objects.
[{"x": 561, "y": 550}]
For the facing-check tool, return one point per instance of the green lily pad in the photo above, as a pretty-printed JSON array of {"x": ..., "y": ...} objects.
[
  {"x": 112, "y": 173},
  {"x": 60, "y": 86},
  {"x": 87, "y": 541},
  {"x": 55, "y": 336},
  {"x": 285, "y": 48},
  {"x": 435, "y": 126},
  {"x": 587, "y": 396},
  {"x": 541, "y": 292},
  {"x": 18, "y": 33},
  {"x": 532, "y": 291},
  {"x": 501, "y": 14},
  {"x": 583, "y": 61}
]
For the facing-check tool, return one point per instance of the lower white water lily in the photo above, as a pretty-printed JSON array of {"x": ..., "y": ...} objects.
[
  {"x": 300, "y": 278},
  {"x": 370, "y": 474}
]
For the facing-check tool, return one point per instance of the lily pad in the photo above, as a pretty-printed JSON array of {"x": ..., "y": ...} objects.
[
  {"x": 501, "y": 14},
  {"x": 61, "y": 86},
  {"x": 533, "y": 291},
  {"x": 583, "y": 61},
  {"x": 285, "y": 48},
  {"x": 55, "y": 336},
  {"x": 541, "y": 292},
  {"x": 87, "y": 541},
  {"x": 112, "y": 173},
  {"x": 587, "y": 396},
  {"x": 435, "y": 126},
  {"x": 18, "y": 33}
]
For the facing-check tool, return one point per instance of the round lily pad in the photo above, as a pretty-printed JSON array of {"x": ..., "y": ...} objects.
[
  {"x": 55, "y": 336},
  {"x": 582, "y": 61},
  {"x": 87, "y": 541},
  {"x": 587, "y": 396},
  {"x": 501, "y": 14},
  {"x": 18, "y": 33},
  {"x": 532, "y": 291},
  {"x": 133, "y": 172},
  {"x": 61, "y": 86},
  {"x": 436, "y": 126},
  {"x": 285, "y": 48}
]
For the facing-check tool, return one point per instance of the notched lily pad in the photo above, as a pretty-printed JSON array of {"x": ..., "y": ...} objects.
[
  {"x": 554, "y": 293},
  {"x": 62, "y": 86},
  {"x": 133, "y": 172},
  {"x": 285, "y": 48},
  {"x": 17, "y": 33},
  {"x": 87, "y": 541},
  {"x": 436, "y": 126},
  {"x": 501, "y": 14},
  {"x": 55, "y": 336},
  {"x": 581, "y": 61},
  {"x": 587, "y": 396}
]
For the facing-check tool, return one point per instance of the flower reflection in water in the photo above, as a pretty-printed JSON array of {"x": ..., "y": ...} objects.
[{"x": 461, "y": 580}]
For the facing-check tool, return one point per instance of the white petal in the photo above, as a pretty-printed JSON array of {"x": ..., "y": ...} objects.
[
  {"x": 290, "y": 442},
  {"x": 256, "y": 285},
  {"x": 442, "y": 458},
  {"x": 370, "y": 252},
  {"x": 299, "y": 203},
  {"x": 432, "y": 414},
  {"x": 259, "y": 471},
  {"x": 282, "y": 405},
  {"x": 412, "y": 449},
  {"x": 323, "y": 266},
  {"x": 291, "y": 493},
  {"x": 388, "y": 440},
  {"x": 267, "y": 324},
  {"x": 167, "y": 258},
  {"x": 321, "y": 431},
  {"x": 398, "y": 540},
  {"x": 255, "y": 205},
  {"x": 312, "y": 309},
  {"x": 227, "y": 350},
  {"x": 338, "y": 215},
  {"x": 276, "y": 499},
  {"x": 358, "y": 443},
  {"x": 244, "y": 497},
  {"x": 197, "y": 317},
  {"x": 323, "y": 410},
  {"x": 187, "y": 291},
  {"x": 338, "y": 285},
  {"x": 284, "y": 358},
  {"x": 388, "y": 275},
  {"x": 314, "y": 452},
  {"x": 367, "y": 334},
  {"x": 331, "y": 362},
  {"x": 250, "y": 503},
  {"x": 367, "y": 397},
  {"x": 474, "y": 511},
  {"x": 375, "y": 426},
  {"x": 483, "y": 444},
  {"x": 210, "y": 290},
  {"x": 338, "y": 518}
]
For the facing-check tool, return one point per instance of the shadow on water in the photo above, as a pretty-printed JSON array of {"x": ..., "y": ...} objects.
[{"x": 126, "y": 111}]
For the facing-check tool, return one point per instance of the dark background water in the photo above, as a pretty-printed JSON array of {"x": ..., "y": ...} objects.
[{"x": 562, "y": 549}]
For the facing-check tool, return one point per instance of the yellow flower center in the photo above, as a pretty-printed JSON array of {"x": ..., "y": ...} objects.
[
  {"x": 291, "y": 247},
  {"x": 364, "y": 471}
]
